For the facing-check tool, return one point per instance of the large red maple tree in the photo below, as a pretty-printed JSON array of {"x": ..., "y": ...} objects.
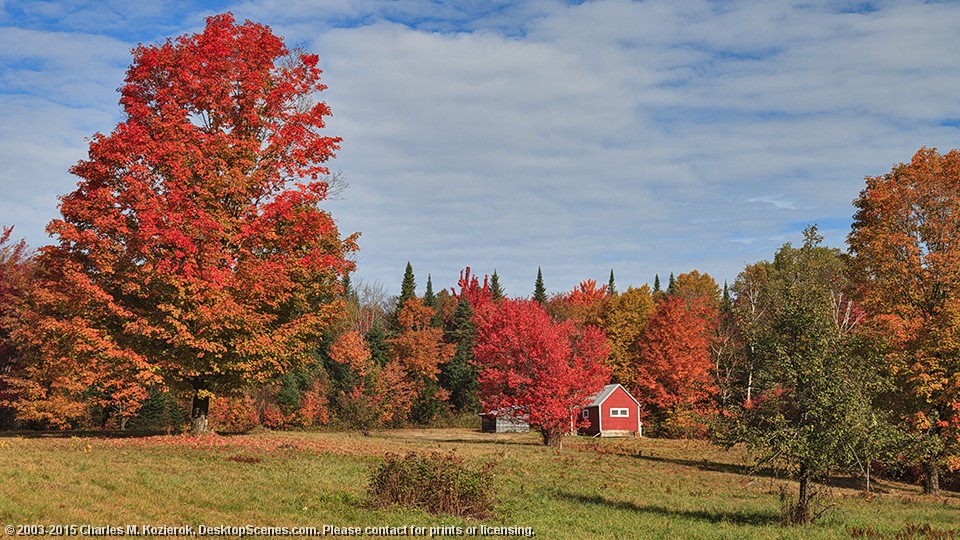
[
  {"x": 194, "y": 250},
  {"x": 547, "y": 370}
]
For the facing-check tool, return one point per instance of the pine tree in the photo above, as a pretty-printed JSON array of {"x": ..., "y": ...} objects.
[
  {"x": 429, "y": 298},
  {"x": 496, "y": 290},
  {"x": 348, "y": 292},
  {"x": 611, "y": 287},
  {"x": 656, "y": 283},
  {"x": 672, "y": 284},
  {"x": 458, "y": 376},
  {"x": 539, "y": 291},
  {"x": 726, "y": 304},
  {"x": 408, "y": 288}
]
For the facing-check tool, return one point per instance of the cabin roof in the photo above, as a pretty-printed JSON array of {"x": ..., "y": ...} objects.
[{"x": 607, "y": 391}]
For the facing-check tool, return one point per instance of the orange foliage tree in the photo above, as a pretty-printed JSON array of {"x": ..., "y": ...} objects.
[
  {"x": 905, "y": 241},
  {"x": 194, "y": 251},
  {"x": 674, "y": 379}
]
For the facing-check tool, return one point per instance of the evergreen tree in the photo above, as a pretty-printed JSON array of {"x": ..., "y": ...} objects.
[
  {"x": 429, "y": 298},
  {"x": 348, "y": 292},
  {"x": 726, "y": 304},
  {"x": 611, "y": 287},
  {"x": 496, "y": 290},
  {"x": 672, "y": 285},
  {"x": 539, "y": 291},
  {"x": 458, "y": 376},
  {"x": 376, "y": 339},
  {"x": 408, "y": 288},
  {"x": 656, "y": 283}
]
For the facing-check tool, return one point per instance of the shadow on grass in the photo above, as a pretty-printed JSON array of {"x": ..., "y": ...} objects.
[
  {"x": 740, "y": 517},
  {"x": 844, "y": 482}
]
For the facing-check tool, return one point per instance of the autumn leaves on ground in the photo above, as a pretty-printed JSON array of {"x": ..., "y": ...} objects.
[{"x": 196, "y": 284}]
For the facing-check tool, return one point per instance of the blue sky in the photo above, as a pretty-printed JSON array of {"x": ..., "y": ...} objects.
[{"x": 647, "y": 137}]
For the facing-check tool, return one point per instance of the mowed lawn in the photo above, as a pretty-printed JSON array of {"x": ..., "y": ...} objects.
[{"x": 627, "y": 488}]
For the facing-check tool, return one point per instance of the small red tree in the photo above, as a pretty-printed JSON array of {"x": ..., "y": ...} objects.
[{"x": 548, "y": 370}]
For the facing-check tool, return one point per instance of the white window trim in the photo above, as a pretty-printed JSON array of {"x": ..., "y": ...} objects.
[
  {"x": 586, "y": 413},
  {"x": 620, "y": 412}
]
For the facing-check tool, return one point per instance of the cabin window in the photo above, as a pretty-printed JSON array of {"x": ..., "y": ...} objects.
[
  {"x": 619, "y": 412},
  {"x": 586, "y": 413}
]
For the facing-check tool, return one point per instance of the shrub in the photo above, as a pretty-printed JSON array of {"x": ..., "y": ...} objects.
[{"x": 435, "y": 482}]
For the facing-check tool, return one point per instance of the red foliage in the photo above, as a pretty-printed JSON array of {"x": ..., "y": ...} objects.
[
  {"x": 479, "y": 296},
  {"x": 674, "y": 367},
  {"x": 548, "y": 370},
  {"x": 194, "y": 248}
]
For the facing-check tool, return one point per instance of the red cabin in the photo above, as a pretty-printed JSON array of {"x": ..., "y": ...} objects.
[{"x": 613, "y": 413}]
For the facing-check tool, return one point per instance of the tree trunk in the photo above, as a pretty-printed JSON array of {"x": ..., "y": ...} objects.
[
  {"x": 931, "y": 478},
  {"x": 552, "y": 438},
  {"x": 200, "y": 409},
  {"x": 801, "y": 514}
]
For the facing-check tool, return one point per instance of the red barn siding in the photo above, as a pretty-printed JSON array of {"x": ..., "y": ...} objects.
[
  {"x": 603, "y": 423},
  {"x": 619, "y": 399}
]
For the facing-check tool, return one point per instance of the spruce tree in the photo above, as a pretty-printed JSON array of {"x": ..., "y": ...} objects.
[
  {"x": 656, "y": 283},
  {"x": 672, "y": 284},
  {"x": 539, "y": 291},
  {"x": 429, "y": 298},
  {"x": 496, "y": 290},
  {"x": 611, "y": 286},
  {"x": 408, "y": 288},
  {"x": 726, "y": 305},
  {"x": 458, "y": 376}
]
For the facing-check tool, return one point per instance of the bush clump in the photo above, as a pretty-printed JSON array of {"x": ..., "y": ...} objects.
[{"x": 437, "y": 483}]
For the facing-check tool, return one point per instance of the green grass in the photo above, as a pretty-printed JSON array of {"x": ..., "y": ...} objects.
[{"x": 643, "y": 488}]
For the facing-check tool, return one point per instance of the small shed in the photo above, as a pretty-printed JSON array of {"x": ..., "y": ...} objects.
[
  {"x": 512, "y": 420},
  {"x": 612, "y": 413}
]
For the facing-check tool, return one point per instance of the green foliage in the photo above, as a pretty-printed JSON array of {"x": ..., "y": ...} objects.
[
  {"x": 429, "y": 298},
  {"x": 818, "y": 377},
  {"x": 496, "y": 290},
  {"x": 376, "y": 339},
  {"x": 539, "y": 291},
  {"x": 611, "y": 286},
  {"x": 656, "y": 283},
  {"x": 672, "y": 284},
  {"x": 408, "y": 287},
  {"x": 458, "y": 376},
  {"x": 436, "y": 483},
  {"x": 160, "y": 411}
]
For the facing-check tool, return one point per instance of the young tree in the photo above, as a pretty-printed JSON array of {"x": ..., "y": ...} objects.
[
  {"x": 194, "y": 248},
  {"x": 656, "y": 283},
  {"x": 611, "y": 286},
  {"x": 815, "y": 383},
  {"x": 539, "y": 291},
  {"x": 547, "y": 370},
  {"x": 905, "y": 243}
]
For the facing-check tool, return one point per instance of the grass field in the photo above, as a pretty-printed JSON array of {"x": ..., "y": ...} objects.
[{"x": 636, "y": 488}]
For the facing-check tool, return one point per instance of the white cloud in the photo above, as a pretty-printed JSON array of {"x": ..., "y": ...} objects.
[{"x": 645, "y": 136}]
